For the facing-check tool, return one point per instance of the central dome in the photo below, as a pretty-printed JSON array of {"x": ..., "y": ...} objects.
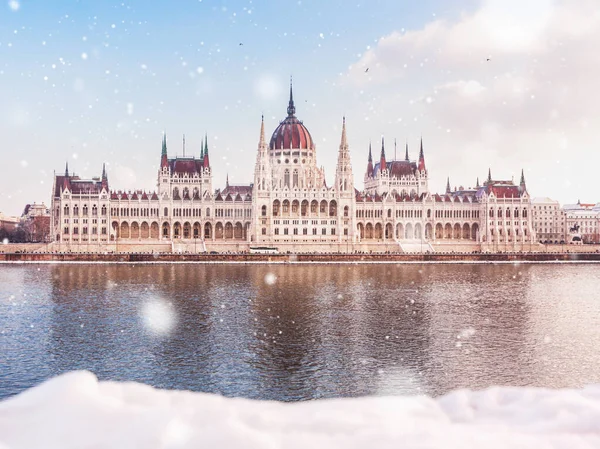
[{"x": 291, "y": 133}]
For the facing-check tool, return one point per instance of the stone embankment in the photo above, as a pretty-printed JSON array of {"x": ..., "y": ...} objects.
[{"x": 300, "y": 258}]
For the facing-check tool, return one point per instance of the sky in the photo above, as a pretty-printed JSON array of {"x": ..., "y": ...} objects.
[{"x": 500, "y": 84}]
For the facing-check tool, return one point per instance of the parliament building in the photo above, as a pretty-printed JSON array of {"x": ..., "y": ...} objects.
[{"x": 290, "y": 207}]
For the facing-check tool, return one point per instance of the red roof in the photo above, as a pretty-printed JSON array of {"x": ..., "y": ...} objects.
[
  {"x": 77, "y": 185},
  {"x": 237, "y": 190},
  {"x": 190, "y": 166},
  {"x": 291, "y": 133}
]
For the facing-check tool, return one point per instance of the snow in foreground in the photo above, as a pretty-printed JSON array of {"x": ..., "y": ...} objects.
[{"x": 76, "y": 411}]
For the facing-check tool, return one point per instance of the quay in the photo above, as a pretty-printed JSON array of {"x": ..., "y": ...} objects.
[{"x": 451, "y": 257}]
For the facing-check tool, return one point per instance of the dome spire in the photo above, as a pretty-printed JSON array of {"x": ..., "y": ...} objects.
[{"x": 291, "y": 110}]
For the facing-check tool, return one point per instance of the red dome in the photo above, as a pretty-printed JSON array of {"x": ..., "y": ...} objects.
[{"x": 291, "y": 133}]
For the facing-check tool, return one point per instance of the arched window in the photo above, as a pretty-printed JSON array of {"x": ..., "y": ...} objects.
[
  {"x": 75, "y": 210},
  {"x": 66, "y": 211},
  {"x": 286, "y": 178},
  {"x": 208, "y": 211},
  {"x": 295, "y": 179},
  {"x": 346, "y": 211},
  {"x": 525, "y": 214},
  {"x": 516, "y": 213},
  {"x": 491, "y": 213},
  {"x": 499, "y": 213},
  {"x": 507, "y": 213},
  {"x": 263, "y": 211},
  {"x": 103, "y": 211},
  {"x": 166, "y": 211},
  {"x": 186, "y": 193},
  {"x": 94, "y": 210},
  {"x": 389, "y": 213},
  {"x": 85, "y": 209},
  {"x": 428, "y": 213},
  {"x": 176, "y": 193}
]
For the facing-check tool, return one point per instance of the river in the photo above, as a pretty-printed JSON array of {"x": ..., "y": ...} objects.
[{"x": 298, "y": 332}]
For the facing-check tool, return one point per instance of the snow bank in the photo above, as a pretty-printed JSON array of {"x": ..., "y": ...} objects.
[{"x": 76, "y": 411}]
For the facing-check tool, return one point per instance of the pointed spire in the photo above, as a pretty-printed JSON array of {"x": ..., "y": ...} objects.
[
  {"x": 370, "y": 162},
  {"x": 522, "y": 177},
  {"x": 477, "y": 184},
  {"x": 104, "y": 177},
  {"x": 421, "y": 157},
  {"x": 448, "y": 185},
  {"x": 406, "y": 154},
  {"x": 395, "y": 150},
  {"x": 344, "y": 141},
  {"x": 205, "y": 159},
  {"x": 489, "y": 179},
  {"x": 291, "y": 110},
  {"x": 67, "y": 168},
  {"x": 382, "y": 161},
  {"x": 163, "y": 154},
  {"x": 227, "y": 180},
  {"x": 262, "y": 141},
  {"x": 184, "y": 145}
]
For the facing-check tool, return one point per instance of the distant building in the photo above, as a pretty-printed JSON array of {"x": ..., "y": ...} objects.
[
  {"x": 35, "y": 222},
  {"x": 583, "y": 220},
  {"x": 8, "y": 224},
  {"x": 549, "y": 220}
]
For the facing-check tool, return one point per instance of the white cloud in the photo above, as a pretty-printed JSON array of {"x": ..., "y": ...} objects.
[{"x": 532, "y": 105}]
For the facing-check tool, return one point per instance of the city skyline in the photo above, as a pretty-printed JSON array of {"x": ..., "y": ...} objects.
[{"x": 485, "y": 83}]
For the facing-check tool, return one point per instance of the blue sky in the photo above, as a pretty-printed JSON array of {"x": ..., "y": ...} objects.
[{"x": 93, "y": 82}]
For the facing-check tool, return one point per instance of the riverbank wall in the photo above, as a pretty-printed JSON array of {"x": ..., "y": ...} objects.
[{"x": 298, "y": 258}]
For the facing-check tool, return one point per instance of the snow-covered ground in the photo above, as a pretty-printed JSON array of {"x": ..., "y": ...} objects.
[{"x": 76, "y": 411}]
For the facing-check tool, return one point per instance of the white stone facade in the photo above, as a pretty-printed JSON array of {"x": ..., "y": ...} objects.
[{"x": 290, "y": 207}]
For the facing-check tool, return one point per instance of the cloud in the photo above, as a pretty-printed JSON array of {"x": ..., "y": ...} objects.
[{"x": 533, "y": 104}]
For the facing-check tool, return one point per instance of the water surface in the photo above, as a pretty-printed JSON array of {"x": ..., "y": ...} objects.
[{"x": 295, "y": 332}]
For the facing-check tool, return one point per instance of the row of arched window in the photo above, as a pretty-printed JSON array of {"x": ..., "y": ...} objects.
[
  {"x": 84, "y": 210},
  {"x": 507, "y": 214},
  {"x": 304, "y": 208}
]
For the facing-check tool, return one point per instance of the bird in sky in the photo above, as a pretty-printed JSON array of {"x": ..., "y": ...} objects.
[
  {"x": 488, "y": 59},
  {"x": 366, "y": 70},
  {"x": 241, "y": 43}
]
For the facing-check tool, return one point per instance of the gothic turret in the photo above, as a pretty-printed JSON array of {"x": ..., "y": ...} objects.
[
  {"x": 370, "y": 162},
  {"x": 344, "y": 181},
  {"x": 104, "y": 178},
  {"x": 406, "y": 154},
  {"x": 382, "y": 161},
  {"x": 421, "y": 166},
  {"x": 522, "y": 185},
  {"x": 67, "y": 179},
  {"x": 448, "y": 190},
  {"x": 164, "y": 162},
  {"x": 206, "y": 161}
]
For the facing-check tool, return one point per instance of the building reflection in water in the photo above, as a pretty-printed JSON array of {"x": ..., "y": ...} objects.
[{"x": 308, "y": 331}]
